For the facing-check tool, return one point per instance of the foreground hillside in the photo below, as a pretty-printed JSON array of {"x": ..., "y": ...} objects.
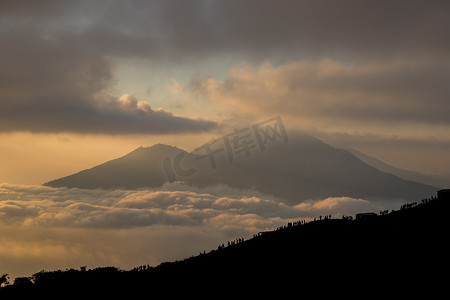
[{"x": 372, "y": 252}]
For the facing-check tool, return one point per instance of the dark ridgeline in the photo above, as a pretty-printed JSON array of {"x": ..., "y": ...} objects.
[{"x": 400, "y": 251}]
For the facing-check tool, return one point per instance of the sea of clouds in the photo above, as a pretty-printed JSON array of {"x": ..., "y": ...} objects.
[{"x": 58, "y": 228}]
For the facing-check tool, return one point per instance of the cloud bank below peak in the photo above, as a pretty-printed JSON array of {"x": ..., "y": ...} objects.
[
  {"x": 57, "y": 228},
  {"x": 172, "y": 204}
]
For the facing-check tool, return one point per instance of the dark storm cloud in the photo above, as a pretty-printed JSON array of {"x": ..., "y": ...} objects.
[
  {"x": 308, "y": 28},
  {"x": 282, "y": 30},
  {"x": 57, "y": 82},
  {"x": 184, "y": 28},
  {"x": 57, "y": 57},
  {"x": 358, "y": 28}
]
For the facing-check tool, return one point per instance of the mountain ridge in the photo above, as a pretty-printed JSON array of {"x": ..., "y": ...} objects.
[
  {"x": 303, "y": 168},
  {"x": 405, "y": 174},
  {"x": 135, "y": 167}
]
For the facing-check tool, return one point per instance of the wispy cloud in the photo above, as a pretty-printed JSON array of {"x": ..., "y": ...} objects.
[{"x": 327, "y": 92}]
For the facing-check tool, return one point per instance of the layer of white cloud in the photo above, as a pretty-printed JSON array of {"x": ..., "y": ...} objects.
[
  {"x": 173, "y": 204},
  {"x": 46, "y": 228}
]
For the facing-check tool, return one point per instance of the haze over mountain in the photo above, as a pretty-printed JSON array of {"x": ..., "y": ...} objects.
[
  {"x": 434, "y": 180},
  {"x": 295, "y": 169}
]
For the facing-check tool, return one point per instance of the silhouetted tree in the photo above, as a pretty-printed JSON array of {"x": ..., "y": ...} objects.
[
  {"x": 23, "y": 282},
  {"x": 4, "y": 280}
]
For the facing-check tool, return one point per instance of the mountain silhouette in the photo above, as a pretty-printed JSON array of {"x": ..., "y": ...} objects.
[
  {"x": 137, "y": 169},
  {"x": 297, "y": 169}
]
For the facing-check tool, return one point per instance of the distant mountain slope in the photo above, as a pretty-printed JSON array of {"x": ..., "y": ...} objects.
[
  {"x": 139, "y": 168},
  {"x": 306, "y": 168},
  {"x": 302, "y": 168},
  {"x": 405, "y": 174}
]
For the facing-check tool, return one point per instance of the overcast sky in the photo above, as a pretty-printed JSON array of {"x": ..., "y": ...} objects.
[{"x": 76, "y": 73}]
